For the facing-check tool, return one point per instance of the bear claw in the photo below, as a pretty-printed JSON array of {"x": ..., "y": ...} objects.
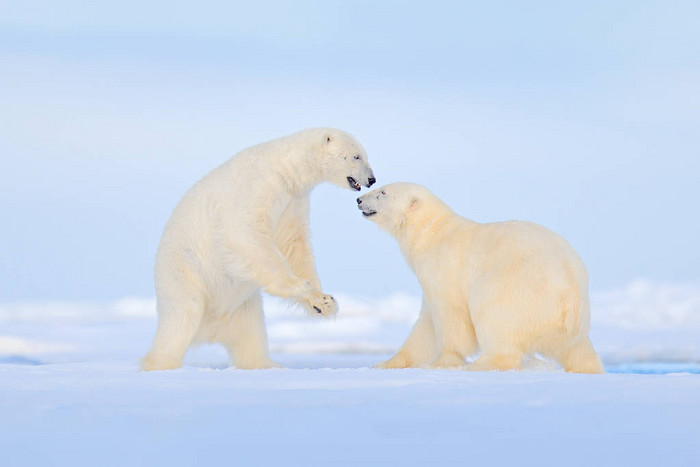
[{"x": 323, "y": 305}]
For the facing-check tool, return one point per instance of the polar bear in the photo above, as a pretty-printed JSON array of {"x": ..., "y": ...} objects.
[
  {"x": 241, "y": 229},
  {"x": 508, "y": 289}
]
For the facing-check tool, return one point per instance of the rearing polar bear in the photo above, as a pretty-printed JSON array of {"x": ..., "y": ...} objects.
[
  {"x": 241, "y": 229},
  {"x": 507, "y": 288}
]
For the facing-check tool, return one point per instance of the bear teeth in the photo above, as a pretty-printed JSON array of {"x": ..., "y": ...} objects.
[{"x": 353, "y": 184}]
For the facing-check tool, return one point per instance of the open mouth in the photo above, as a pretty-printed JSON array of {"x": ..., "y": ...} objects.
[
  {"x": 368, "y": 213},
  {"x": 353, "y": 184}
]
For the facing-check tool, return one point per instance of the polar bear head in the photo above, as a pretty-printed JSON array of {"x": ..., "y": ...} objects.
[
  {"x": 397, "y": 205},
  {"x": 343, "y": 160}
]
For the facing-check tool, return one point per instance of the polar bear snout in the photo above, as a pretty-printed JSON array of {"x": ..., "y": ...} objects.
[
  {"x": 366, "y": 209},
  {"x": 369, "y": 203},
  {"x": 357, "y": 186}
]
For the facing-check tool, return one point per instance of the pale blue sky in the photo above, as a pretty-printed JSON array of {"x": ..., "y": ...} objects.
[{"x": 581, "y": 116}]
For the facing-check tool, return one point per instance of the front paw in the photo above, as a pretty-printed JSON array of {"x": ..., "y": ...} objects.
[
  {"x": 447, "y": 361},
  {"x": 398, "y": 361},
  {"x": 322, "y": 304},
  {"x": 261, "y": 364}
]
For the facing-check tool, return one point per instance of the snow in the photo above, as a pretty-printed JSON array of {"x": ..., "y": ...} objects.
[{"x": 71, "y": 394}]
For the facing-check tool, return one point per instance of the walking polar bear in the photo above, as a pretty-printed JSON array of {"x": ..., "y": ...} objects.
[
  {"x": 508, "y": 289},
  {"x": 241, "y": 229}
]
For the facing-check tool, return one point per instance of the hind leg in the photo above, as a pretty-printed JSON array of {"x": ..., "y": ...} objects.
[
  {"x": 244, "y": 335},
  {"x": 178, "y": 321},
  {"x": 581, "y": 358}
]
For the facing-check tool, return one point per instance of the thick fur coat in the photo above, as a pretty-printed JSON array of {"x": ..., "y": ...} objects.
[
  {"x": 242, "y": 229},
  {"x": 505, "y": 289}
]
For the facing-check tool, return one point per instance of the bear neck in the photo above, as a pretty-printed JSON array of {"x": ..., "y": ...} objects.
[
  {"x": 421, "y": 234},
  {"x": 417, "y": 228},
  {"x": 299, "y": 172}
]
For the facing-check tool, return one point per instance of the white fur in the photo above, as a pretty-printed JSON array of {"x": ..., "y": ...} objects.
[
  {"x": 241, "y": 229},
  {"x": 508, "y": 289}
]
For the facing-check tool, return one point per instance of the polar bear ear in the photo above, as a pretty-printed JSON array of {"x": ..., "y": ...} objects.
[{"x": 415, "y": 203}]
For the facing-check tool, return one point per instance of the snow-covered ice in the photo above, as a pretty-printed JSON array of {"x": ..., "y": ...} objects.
[{"x": 71, "y": 393}]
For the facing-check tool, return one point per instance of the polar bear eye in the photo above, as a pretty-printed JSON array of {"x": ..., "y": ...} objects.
[
  {"x": 383, "y": 192},
  {"x": 357, "y": 157}
]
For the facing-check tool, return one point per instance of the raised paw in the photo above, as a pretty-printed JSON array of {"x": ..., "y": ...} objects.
[{"x": 322, "y": 304}]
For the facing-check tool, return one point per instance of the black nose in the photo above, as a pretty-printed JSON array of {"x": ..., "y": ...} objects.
[
  {"x": 371, "y": 181},
  {"x": 359, "y": 201}
]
